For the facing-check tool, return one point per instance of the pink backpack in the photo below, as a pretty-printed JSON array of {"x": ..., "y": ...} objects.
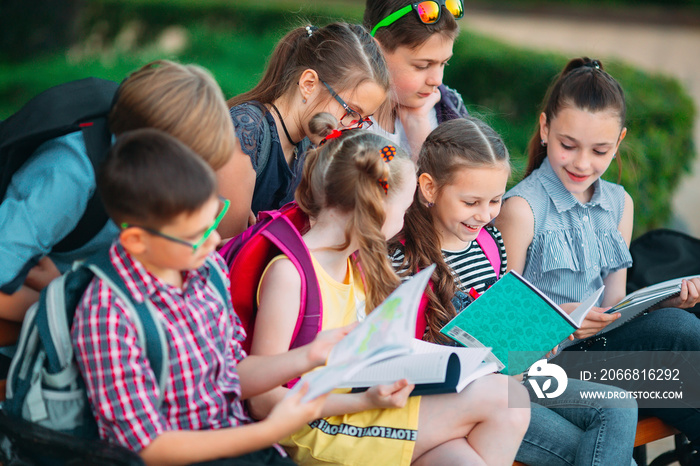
[
  {"x": 247, "y": 255},
  {"x": 488, "y": 244}
]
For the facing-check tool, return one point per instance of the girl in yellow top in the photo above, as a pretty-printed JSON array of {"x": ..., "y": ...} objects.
[{"x": 356, "y": 187}]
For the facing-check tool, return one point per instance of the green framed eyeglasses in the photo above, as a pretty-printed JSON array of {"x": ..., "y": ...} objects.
[
  {"x": 205, "y": 236},
  {"x": 428, "y": 12}
]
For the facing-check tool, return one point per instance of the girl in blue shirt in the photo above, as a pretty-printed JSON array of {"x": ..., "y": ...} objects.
[{"x": 568, "y": 231}]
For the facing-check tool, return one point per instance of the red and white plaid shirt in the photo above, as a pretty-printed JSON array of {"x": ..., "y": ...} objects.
[{"x": 204, "y": 336}]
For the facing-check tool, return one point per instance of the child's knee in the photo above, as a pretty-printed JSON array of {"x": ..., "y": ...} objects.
[{"x": 503, "y": 397}]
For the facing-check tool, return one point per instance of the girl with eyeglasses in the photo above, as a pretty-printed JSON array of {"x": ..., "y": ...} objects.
[
  {"x": 417, "y": 40},
  {"x": 337, "y": 69}
]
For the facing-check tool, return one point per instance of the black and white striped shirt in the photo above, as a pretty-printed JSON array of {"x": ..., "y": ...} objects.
[{"x": 470, "y": 266}]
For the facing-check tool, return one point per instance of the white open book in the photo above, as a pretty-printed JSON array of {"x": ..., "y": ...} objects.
[
  {"x": 643, "y": 299},
  {"x": 382, "y": 349}
]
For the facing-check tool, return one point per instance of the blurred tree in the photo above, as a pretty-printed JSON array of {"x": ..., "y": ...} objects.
[{"x": 28, "y": 29}]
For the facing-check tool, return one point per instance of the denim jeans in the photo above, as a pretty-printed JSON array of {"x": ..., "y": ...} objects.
[
  {"x": 668, "y": 329},
  {"x": 568, "y": 430}
]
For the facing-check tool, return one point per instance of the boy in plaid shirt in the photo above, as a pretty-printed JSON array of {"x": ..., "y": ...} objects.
[{"x": 163, "y": 197}]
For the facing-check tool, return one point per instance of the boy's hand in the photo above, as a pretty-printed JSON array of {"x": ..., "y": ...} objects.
[
  {"x": 416, "y": 122},
  {"x": 319, "y": 349},
  {"x": 689, "y": 297},
  {"x": 252, "y": 219},
  {"x": 41, "y": 274},
  {"x": 292, "y": 414},
  {"x": 407, "y": 114},
  {"x": 595, "y": 321},
  {"x": 389, "y": 396}
]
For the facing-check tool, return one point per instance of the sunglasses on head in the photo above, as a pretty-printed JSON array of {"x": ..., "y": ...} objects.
[
  {"x": 428, "y": 12},
  {"x": 223, "y": 208}
]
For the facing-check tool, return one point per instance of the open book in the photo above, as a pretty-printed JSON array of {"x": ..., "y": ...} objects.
[
  {"x": 386, "y": 337},
  {"x": 432, "y": 368},
  {"x": 643, "y": 299},
  {"x": 518, "y": 321}
]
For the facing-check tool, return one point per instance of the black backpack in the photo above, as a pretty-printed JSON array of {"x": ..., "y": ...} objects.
[
  {"x": 81, "y": 105},
  {"x": 661, "y": 255}
]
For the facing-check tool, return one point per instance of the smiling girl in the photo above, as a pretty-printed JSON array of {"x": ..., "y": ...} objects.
[
  {"x": 463, "y": 168},
  {"x": 568, "y": 231}
]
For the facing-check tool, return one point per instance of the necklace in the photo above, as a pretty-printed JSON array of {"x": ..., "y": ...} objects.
[{"x": 284, "y": 127}]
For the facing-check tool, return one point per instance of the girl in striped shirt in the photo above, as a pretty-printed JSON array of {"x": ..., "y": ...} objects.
[{"x": 463, "y": 168}]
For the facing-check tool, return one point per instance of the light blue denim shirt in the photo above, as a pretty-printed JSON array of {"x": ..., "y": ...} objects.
[
  {"x": 575, "y": 246},
  {"x": 45, "y": 200}
]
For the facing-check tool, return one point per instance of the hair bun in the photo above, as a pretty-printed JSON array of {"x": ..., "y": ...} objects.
[
  {"x": 582, "y": 62},
  {"x": 322, "y": 124},
  {"x": 370, "y": 162}
]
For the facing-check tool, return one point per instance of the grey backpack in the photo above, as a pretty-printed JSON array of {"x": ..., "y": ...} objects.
[{"x": 44, "y": 384}]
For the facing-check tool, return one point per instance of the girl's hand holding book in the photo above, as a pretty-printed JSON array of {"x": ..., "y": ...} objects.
[
  {"x": 689, "y": 296},
  {"x": 291, "y": 413},
  {"x": 595, "y": 321}
]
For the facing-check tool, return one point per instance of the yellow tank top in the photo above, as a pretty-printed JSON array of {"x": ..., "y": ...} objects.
[
  {"x": 375, "y": 436},
  {"x": 343, "y": 302}
]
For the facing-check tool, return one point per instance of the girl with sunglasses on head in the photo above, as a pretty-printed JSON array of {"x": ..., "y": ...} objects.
[
  {"x": 337, "y": 69},
  {"x": 356, "y": 187},
  {"x": 417, "y": 40},
  {"x": 568, "y": 232},
  {"x": 417, "y": 47}
]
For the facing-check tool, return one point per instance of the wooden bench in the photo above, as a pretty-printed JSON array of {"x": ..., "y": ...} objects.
[{"x": 649, "y": 430}]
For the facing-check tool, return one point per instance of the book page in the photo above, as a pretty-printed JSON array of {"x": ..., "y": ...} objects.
[
  {"x": 655, "y": 293},
  {"x": 386, "y": 332},
  {"x": 388, "y": 327},
  {"x": 636, "y": 303},
  {"x": 580, "y": 313},
  {"x": 474, "y": 362},
  {"x": 416, "y": 368},
  {"x": 426, "y": 364}
]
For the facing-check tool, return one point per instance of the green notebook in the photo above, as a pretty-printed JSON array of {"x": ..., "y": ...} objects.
[{"x": 517, "y": 321}]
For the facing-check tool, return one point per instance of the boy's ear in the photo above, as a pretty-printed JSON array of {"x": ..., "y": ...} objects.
[
  {"x": 308, "y": 81},
  {"x": 544, "y": 128},
  {"x": 133, "y": 240},
  {"x": 427, "y": 186}
]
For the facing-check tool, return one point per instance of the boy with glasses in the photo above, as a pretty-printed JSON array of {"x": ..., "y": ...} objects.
[{"x": 165, "y": 253}]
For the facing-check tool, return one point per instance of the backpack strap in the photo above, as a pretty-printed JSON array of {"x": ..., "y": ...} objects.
[
  {"x": 145, "y": 316},
  {"x": 488, "y": 244},
  {"x": 98, "y": 140},
  {"x": 285, "y": 236},
  {"x": 218, "y": 277}
]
